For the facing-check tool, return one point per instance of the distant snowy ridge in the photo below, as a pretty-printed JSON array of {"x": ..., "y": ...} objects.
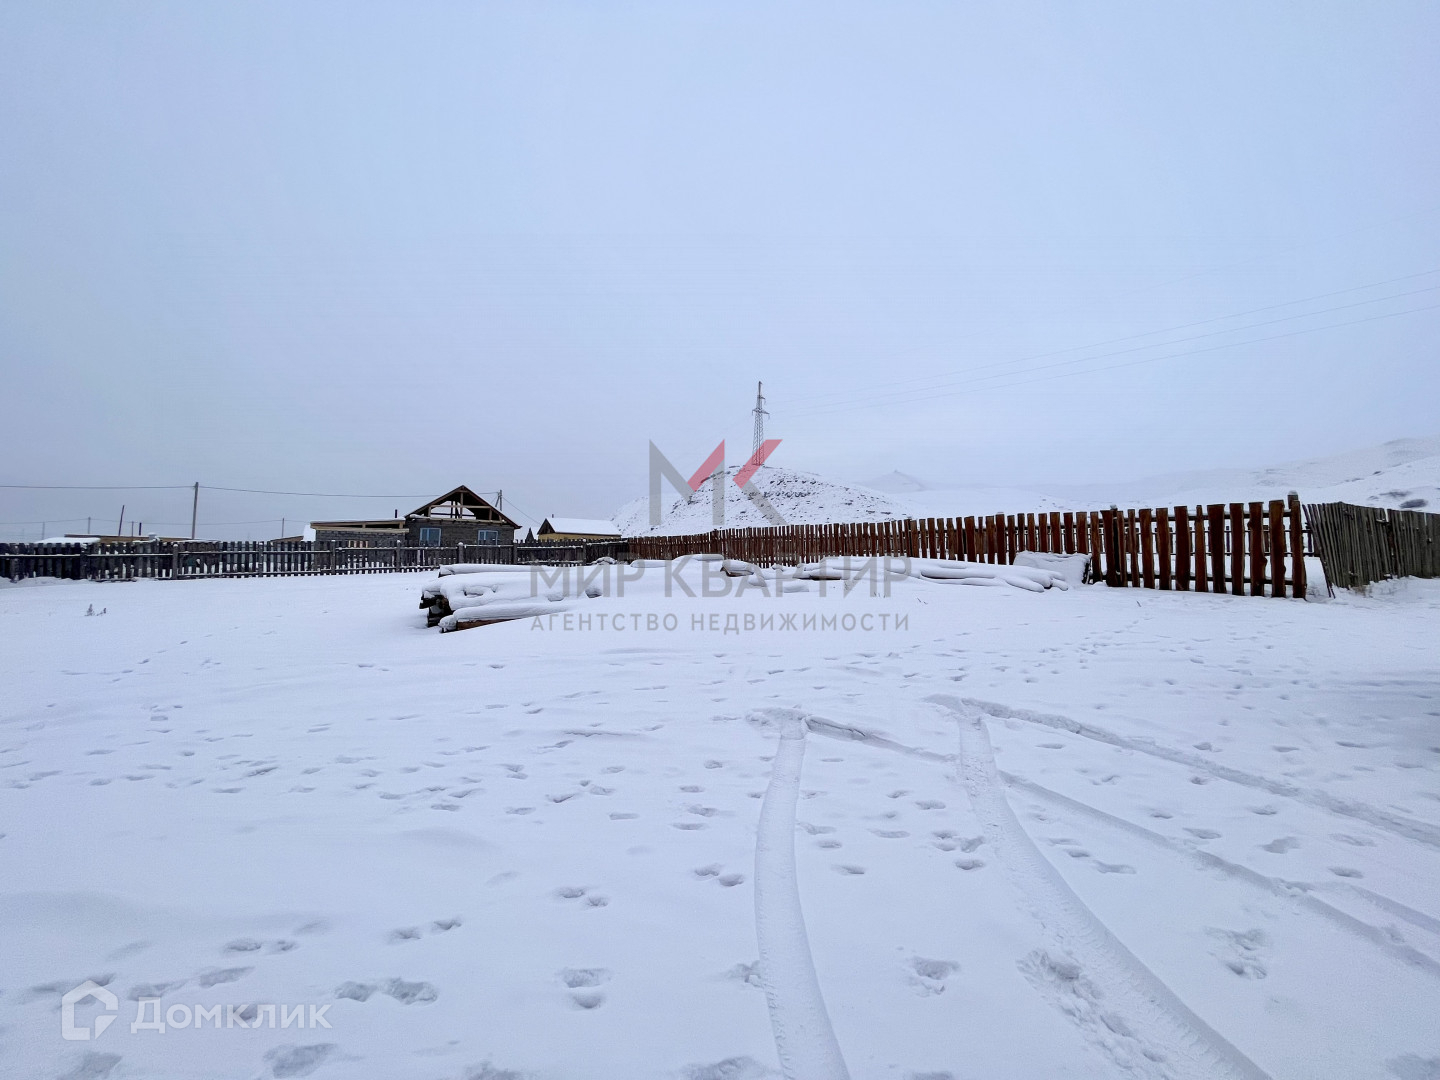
[{"x": 1402, "y": 474}]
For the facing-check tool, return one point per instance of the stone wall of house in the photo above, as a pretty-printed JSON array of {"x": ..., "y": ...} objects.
[{"x": 455, "y": 532}]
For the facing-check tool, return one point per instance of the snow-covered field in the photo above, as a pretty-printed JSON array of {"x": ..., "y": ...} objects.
[{"x": 1081, "y": 833}]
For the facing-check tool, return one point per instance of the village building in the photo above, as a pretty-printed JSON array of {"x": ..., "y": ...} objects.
[
  {"x": 566, "y": 528},
  {"x": 457, "y": 517}
]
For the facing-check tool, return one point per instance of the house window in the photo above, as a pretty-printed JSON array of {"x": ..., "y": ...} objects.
[
  {"x": 430, "y": 537},
  {"x": 487, "y": 536}
]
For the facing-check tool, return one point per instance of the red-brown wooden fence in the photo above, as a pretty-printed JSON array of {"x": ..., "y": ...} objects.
[{"x": 1254, "y": 549}]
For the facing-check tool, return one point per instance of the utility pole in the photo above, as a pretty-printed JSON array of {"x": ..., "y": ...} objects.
[
  {"x": 760, "y": 414},
  {"x": 120, "y": 529},
  {"x": 500, "y": 500},
  {"x": 194, "y": 509}
]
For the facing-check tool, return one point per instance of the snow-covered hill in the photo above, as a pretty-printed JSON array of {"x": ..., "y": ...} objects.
[
  {"x": 1403, "y": 473},
  {"x": 801, "y": 498}
]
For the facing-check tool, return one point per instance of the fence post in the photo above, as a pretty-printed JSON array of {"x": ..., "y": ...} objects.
[
  {"x": 1114, "y": 570},
  {"x": 1257, "y": 549},
  {"x": 1162, "y": 544},
  {"x": 1147, "y": 549},
  {"x": 1277, "y": 548}
]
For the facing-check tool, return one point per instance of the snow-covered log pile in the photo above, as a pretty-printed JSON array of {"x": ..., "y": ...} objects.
[{"x": 475, "y": 595}]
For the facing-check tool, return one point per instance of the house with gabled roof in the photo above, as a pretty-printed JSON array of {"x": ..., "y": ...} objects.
[
  {"x": 458, "y": 517},
  {"x": 565, "y": 528}
]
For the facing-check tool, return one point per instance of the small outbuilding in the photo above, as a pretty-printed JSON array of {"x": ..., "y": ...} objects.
[
  {"x": 457, "y": 517},
  {"x": 558, "y": 528}
]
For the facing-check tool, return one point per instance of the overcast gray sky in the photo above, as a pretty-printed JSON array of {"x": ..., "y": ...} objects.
[{"x": 391, "y": 248}]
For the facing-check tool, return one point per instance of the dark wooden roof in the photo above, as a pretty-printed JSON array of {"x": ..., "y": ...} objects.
[{"x": 462, "y": 504}]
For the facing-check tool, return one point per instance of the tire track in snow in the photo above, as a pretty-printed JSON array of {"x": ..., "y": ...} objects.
[
  {"x": 1373, "y": 935},
  {"x": 1376, "y": 935},
  {"x": 1409, "y": 828},
  {"x": 804, "y": 1040},
  {"x": 1119, "y": 1003}
]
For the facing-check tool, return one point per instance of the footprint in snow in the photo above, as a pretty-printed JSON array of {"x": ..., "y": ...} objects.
[
  {"x": 292, "y": 1060},
  {"x": 1281, "y": 845},
  {"x": 928, "y": 977},
  {"x": 404, "y": 933},
  {"x": 732, "y": 1068},
  {"x": 713, "y": 870},
  {"x": 1113, "y": 868},
  {"x": 1203, "y": 834},
  {"x": 749, "y": 974},
  {"x": 843, "y": 868},
  {"x": 153, "y": 990},
  {"x": 1414, "y": 1067},
  {"x": 411, "y": 993},
  {"x": 1354, "y": 841},
  {"x": 208, "y": 979},
  {"x": 1346, "y": 872},
  {"x": 969, "y": 864},
  {"x": 1240, "y": 951},
  {"x": 584, "y": 986},
  {"x": 354, "y": 991}
]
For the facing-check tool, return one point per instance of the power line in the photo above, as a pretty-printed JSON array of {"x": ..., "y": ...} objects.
[
  {"x": 96, "y": 487},
  {"x": 820, "y": 399},
  {"x": 523, "y": 514},
  {"x": 311, "y": 494},
  {"x": 1133, "y": 363},
  {"x": 204, "y": 487},
  {"x": 902, "y": 395}
]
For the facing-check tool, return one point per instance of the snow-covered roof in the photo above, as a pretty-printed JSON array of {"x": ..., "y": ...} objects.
[{"x": 581, "y": 526}]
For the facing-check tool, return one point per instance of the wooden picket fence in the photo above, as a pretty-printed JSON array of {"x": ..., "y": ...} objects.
[
  {"x": 1359, "y": 545},
  {"x": 1254, "y": 549},
  {"x": 176, "y": 560}
]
